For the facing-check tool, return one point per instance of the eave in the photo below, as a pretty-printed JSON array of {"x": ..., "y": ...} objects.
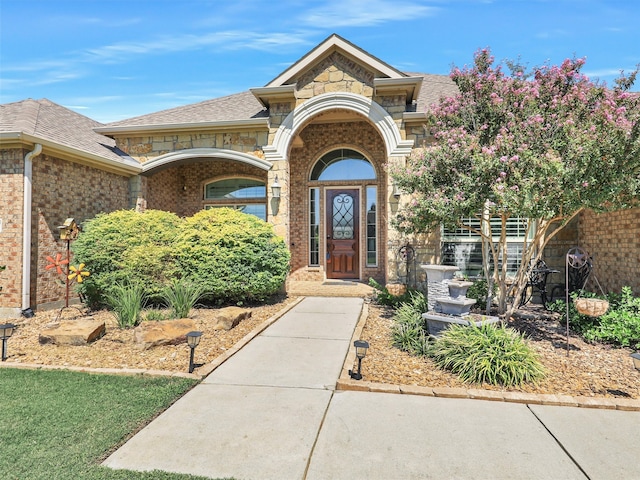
[
  {"x": 246, "y": 124},
  {"x": 127, "y": 167}
]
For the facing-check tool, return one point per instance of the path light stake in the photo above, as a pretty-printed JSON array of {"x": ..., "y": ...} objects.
[
  {"x": 6, "y": 331},
  {"x": 361, "y": 352},
  {"x": 193, "y": 339},
  {"x": 636, "y": 360}
]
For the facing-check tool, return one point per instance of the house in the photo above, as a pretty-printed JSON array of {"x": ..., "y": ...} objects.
[{"x": 309, "y": 152}]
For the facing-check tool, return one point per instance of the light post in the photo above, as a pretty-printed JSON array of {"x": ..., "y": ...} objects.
[
  {"x": 6, "y": 331},
  {"x": 193, "y": 339},
  {"x": 361, "y": 352}
]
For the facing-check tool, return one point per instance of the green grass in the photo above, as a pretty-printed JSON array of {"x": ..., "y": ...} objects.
[{"x": 61, "y": 424}]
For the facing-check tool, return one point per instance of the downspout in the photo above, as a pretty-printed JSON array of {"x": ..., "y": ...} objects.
[{"x": 26, "y": 225}]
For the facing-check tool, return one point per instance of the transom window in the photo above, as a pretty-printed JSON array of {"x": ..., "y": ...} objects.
[
  {"x": 343, "y": 164},
  {"x": 245, "y": 194}
]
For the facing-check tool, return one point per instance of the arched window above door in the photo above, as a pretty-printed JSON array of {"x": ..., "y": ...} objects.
[{"x": 343, "y": 164}]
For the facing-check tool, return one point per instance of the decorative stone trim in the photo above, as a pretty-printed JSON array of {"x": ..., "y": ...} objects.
[
  {"x": 380, "y": 118},
  {"x": 164, "y": 160}
]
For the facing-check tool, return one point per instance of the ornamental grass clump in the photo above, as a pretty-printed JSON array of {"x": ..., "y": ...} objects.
[
  {"x": 180, "y": 296},
  {"x": 127, "y": 302},
  {"x": 408, "y": 332},
  {"x": 492, "y": 354}
]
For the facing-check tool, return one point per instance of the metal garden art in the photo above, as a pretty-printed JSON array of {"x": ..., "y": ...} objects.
[
  {"x": 579, "y": 265},
  {"x": 68, "y": 232}
]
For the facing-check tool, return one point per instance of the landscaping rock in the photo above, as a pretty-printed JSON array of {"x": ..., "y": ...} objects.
[
  {"x": 166, "y": 332},
  {"x": 229, "y": 317},
  {"x": 74, "y": 332}
]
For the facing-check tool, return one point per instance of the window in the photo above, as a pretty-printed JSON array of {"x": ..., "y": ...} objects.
[
  {"x": 314, "y": 226},
  {"x": 372, "y": 241},
  {"x": 245, "y": 194},
  {"x": 463, "y": 248},
  {"x": 343, "y": 164}
]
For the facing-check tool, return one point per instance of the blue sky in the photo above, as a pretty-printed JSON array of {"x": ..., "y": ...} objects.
[{"x": 115, "y": 59}]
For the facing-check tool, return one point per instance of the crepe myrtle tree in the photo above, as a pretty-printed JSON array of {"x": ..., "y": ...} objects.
[{"x": 541, "y": 145}]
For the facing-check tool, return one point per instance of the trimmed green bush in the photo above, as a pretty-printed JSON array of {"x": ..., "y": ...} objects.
[
  {"x": 233, "y": 256},
  {"x": 491, "y": 354},
  {"x": 230, "y": 255},
  {"x": 126, "y": 246}
]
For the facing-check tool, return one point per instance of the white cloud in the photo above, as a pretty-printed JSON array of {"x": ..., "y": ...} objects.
[{"x": 358, "y": 13}]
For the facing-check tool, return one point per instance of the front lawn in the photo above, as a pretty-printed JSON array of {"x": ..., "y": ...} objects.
[{"x": 61, "y": 424}]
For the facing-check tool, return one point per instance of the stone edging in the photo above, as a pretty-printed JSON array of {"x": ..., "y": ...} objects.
[
  {"x": 345, "y": 382},
  {"x": 202, "y": 371}
]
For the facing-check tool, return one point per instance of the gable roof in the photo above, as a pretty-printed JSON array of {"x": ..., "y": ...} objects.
[
  {"x": 327, "y": 47},
  {"x": 63, "y": 132}
]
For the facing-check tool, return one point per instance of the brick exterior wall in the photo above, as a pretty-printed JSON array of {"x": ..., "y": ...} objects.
[
  {"x": 61, "y": 190},
  {"x": 613, "y": 239},
  {"x": 11, "y": 196}
]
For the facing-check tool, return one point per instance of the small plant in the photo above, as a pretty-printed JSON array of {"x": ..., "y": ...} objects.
[
  {"x": 479, "y": 292},
  {"x": 408, "y": 332},
  {"x": 156, "y": 315},
  {"x": 491, "y": 354},
  {"x": 384, "y": 297},
  {"x": 127, "y": 301},
  {"x": 180, "y": 296}
]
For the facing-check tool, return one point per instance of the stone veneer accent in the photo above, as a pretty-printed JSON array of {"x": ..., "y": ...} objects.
[{"x": 147, "y": 147}]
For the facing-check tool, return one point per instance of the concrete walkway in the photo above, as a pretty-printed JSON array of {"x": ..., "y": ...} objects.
[{"x": 271, "y": 412}]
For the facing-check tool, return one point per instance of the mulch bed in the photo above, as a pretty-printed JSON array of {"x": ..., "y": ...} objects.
[{"x": 592, "y": 370}]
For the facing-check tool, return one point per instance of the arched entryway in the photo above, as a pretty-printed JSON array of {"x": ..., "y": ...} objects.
[{"x": 338, "y": 186}]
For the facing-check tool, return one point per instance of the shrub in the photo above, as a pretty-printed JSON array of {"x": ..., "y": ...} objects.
[
  {"x": 233, "y": 256},
  {"x": 491, "y": 354},
  {"x": 180, "y": 296},
  {"x": 126, "y": 246},
  {"x": 619, "y": 326},
  {"x": 384, "y": 297},
  {"x": 127, "y": 301},
  {"x": 479, "y": 291}
]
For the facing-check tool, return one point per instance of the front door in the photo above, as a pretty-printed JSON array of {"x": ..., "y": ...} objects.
[{"x": 343, "y": 233}]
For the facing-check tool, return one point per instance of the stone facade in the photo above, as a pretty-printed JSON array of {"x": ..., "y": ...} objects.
[{"x": 146, "y": 148}]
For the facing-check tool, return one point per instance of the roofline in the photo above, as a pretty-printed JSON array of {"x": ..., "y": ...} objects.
[
  {"x": 333, "y": 42},
  {"x": 129, "y": 166},
  {"x": 172, "y": 127}
]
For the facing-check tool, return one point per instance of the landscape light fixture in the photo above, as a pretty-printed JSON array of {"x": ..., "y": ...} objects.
[
  {"x": 636, "y": 360},
  {"x": 193, "y": 339},
  {"x": 275, "y": 188},
  {"x": 361, "y": 352},
  {"x": 6, "y": 331}
]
